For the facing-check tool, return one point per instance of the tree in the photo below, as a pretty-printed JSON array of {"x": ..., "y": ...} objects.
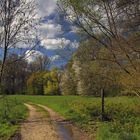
[
  {"x": 130, "y": 85},
  {"x": 41, "y": 63},
  {"x": 14, "y": 76},
  {"x": 68, "y": 81},
  {"x": 52, "y": 80},
  {"x": 93, "y": 75},
  {"x": 17, "y": 26},
  {"x": 110, "y": 23},
  {"x": 93, "y": 72},
  {"x": 35, "y": 83},
  {"x": 44, "y": 83}
]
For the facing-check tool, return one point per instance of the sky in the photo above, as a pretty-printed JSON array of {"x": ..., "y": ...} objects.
[{"x": 58, "y": 39}]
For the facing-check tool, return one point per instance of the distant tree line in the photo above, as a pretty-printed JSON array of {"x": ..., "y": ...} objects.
[
  {"x": 44, "y": 83},
  {"x": 86, "y": 74},
  {"x": 17, "y": 72},
  {"x": 108, "y": 59}
]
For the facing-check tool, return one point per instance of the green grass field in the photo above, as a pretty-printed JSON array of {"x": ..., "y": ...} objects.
[
  {"x": 122, "y": 114},
  {"x": 11, "y": 113}
]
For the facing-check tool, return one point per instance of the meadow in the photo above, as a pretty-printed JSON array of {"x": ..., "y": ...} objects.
[
  {"x": 122, "y": 114},
  {"x": 12, "y": 112}
]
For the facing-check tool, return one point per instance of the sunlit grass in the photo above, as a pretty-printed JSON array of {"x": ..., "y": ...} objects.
[
  {"x": 122, "y": 114},
  {"x": 12, "y": 112}
]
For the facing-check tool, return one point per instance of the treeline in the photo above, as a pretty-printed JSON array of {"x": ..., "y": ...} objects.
[
  {"x": 34, "y": 78},
  {"x": 108, "y": 59},
  {"x": 44, "y": 83},
  {"x": 17, "y": 71},
  {"x": 90, "y": 69}
]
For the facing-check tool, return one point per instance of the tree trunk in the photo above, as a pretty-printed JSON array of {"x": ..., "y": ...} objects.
[{"x": 102, "y": 98}]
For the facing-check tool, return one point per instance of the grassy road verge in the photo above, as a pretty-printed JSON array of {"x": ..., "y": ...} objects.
[{"x": 12, "y": 112}]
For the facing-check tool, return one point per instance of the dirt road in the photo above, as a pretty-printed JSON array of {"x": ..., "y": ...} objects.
[
  {"x": 37, "y": 127},
  {"x": 65, "y": 129},
  {"x": 55, "y": 127}
]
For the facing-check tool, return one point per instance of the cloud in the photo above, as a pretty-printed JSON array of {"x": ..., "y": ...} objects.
[
  {"x": 51, "y": 30},
  {"x": 57, "y": 43},
  {"x": 74, "y": 29},
  {"x": 46, "y": 7},
  {"x": 32, "y": 55},
  {"x": 56, "y": 35},
  {"x": 55, "y": 58}
]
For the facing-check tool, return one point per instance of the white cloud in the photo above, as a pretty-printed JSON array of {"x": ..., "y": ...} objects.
[
  {"x": 32, "y": 55},
  {"x": 74, "y": 44},
  {"x": 57, "y": 43},
  {"x": 50, "y": 29},
  {"x": 46, "y": 7},
  {"x": 74, "y": 29},
  {"x": 55, "y": 58}
]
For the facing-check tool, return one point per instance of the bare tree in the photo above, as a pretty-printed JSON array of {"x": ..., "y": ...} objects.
[
  {"x": 17, "y": 26},
  {"x": 15, "y": 75},
  {"x": 41, "y": 63},
  {"x": 111, "y": 23}
]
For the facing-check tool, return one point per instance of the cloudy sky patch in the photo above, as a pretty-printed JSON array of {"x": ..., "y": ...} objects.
[
  {"x": 32, "y": 55},
  {"x": 46, "y": 7},
  {"x": 57, "y": 36}
]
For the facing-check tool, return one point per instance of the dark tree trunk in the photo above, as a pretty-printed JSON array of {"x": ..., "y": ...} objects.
[{"x": 102, "y": 98}]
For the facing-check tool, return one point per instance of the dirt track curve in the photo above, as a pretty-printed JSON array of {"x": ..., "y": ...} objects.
[
  {"x": 37, "y": 127},
  {"x": 55, "y": 127}
]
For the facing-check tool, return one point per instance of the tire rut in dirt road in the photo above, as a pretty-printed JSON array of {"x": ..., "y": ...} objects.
[
  {"x": 37, "y": 127},
  {"x": 65, "y": 129}
]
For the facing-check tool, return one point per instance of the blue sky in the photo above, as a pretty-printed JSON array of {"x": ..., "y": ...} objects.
[{"x": 58, "y": 36}]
